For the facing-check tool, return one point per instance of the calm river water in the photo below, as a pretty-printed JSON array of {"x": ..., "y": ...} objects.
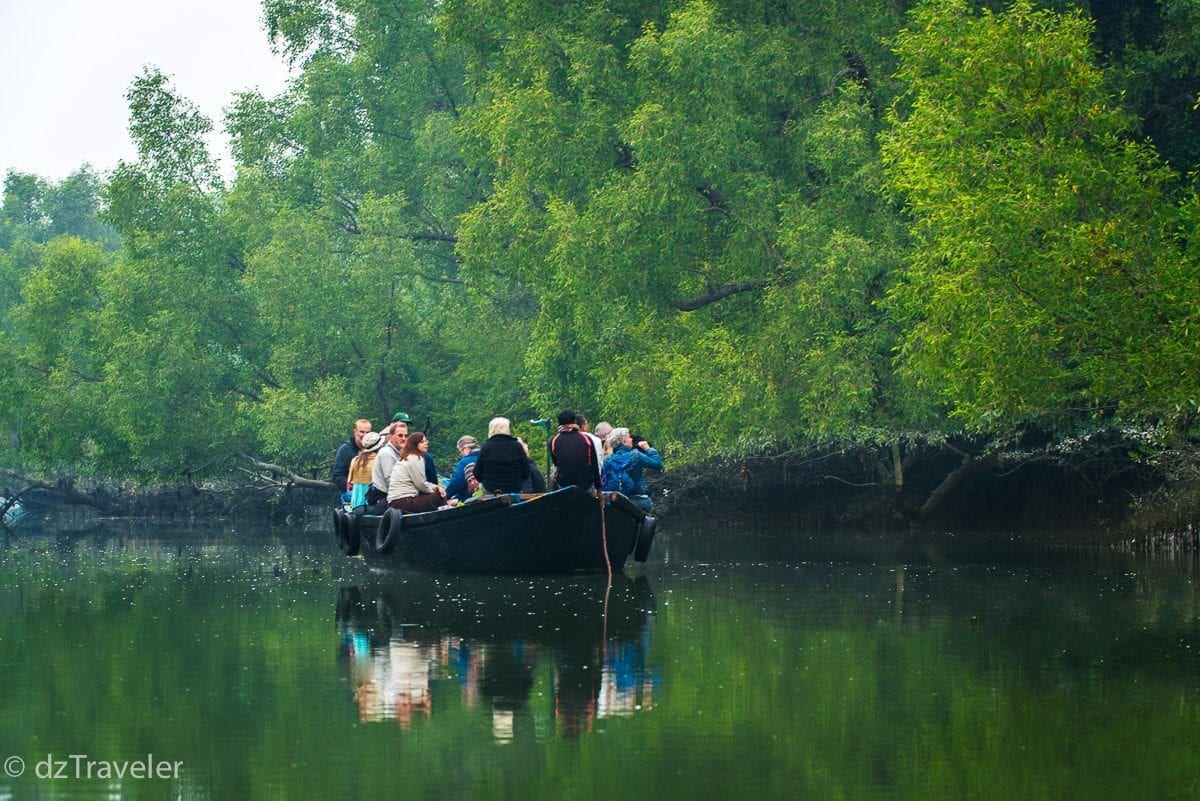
[{"x": 265, "y": 665}]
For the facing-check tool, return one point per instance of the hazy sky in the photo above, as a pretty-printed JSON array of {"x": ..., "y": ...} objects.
[{"x": 65, "y": 66}]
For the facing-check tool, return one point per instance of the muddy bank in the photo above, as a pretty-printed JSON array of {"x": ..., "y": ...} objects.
[{"x": 1100, "y": 491}]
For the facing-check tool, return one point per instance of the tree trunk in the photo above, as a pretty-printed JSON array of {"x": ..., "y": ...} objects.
[
  {"x": 65, "y": 489},
  {"x": 968, "y": 467}
]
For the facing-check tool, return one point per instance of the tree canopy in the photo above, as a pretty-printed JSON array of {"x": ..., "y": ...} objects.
[{"x": 732, "y": 225}]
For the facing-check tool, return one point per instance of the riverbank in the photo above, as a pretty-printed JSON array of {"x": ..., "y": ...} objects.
[{"x": 1102, "y": 491}]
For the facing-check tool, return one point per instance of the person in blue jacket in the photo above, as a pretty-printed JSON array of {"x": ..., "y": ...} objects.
[
  {"x": 623, "y": 470},
  {"x": 462, "y": 481}
]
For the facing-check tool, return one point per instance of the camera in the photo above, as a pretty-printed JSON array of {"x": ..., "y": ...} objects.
[{"x": 637, "y": 440}]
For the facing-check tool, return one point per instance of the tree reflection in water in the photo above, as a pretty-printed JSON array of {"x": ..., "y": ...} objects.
[{"x": 506, "y": 643}]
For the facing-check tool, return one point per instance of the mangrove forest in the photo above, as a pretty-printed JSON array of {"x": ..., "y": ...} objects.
[{"x": 882, "y": 248}]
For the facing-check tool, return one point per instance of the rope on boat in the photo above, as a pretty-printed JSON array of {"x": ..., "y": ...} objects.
[
  {"x": 607, "y": 590},
  {"x": 604, "y": 541}
]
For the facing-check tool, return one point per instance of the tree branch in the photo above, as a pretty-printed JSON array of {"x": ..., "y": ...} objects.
[
  {"x": 10, "y": 503},
  {"x": 283, "y": 472},
  {"x": 64, "y": 488},
  {"x": 718, "y": 293},
  {"x": 430, "y": 236},
  {"x": 46, "y": 371}
]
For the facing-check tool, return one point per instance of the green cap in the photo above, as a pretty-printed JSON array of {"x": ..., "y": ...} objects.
[{"x": 401, "y": 417}]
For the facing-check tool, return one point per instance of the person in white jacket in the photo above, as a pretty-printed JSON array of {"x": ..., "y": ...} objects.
[{"x": 408, "y": 490}]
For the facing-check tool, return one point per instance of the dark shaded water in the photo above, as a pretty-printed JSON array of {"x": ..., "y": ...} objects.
[{"x": 267, "y": 666}]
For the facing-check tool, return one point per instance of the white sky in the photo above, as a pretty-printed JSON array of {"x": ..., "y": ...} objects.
[{"x": 65, "y": 66}]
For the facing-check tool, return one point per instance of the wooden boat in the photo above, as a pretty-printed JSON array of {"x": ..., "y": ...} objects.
[{"x": 557, "y": 532}]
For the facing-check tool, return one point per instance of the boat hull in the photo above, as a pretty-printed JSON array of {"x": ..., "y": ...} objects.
[{"x": 559, "y": 532}]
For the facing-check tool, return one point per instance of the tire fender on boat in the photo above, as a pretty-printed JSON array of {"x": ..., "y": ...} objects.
[
  {"x": 641, "y": 550},
  {"x": 388, "y": 533},
  {"x": 353, "y": 534},
  {"x": 345, "y": 525}
]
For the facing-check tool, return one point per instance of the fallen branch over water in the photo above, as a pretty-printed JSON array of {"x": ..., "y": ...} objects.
[
  {"x": 291, "y": 478},
  {"x": 65, "y": 488}
]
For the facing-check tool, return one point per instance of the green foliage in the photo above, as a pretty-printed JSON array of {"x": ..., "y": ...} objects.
[
  {"x": 36, "y": 211},
  {"x": 1156, "y": 65},
  {"x": 294, "y": 423},
  {"x": 726, "y": 224},
  {"x": 21, "y": 215},
  {"x": 170, "y": 132},
  {"x": 1046, "y": 280},
  {"x": 648, "y": 162},
  {"x": 53, "y": 390}
]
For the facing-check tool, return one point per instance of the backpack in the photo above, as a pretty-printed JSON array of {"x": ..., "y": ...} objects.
[{"x": 615, "y": 477}]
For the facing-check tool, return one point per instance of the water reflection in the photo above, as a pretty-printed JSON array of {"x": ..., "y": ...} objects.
[
  {"x": 541, "y": 657},
  {"x": 750, "y": 672}
]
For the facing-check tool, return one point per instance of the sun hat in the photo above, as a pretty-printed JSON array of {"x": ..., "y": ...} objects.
[{"x": 373, "y": 441}]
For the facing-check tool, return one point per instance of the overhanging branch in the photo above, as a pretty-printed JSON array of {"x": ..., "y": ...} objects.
[
  {"x": 718, "y": 293},
  {"x": 283, "y": 472},
  {"x": 66, "y": 490}
]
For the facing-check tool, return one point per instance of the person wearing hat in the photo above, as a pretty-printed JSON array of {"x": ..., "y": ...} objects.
[
  {"x": 362, "y": 466},
  {"x": 462, "y": 481},
  {"x": 340, "y": 474}
]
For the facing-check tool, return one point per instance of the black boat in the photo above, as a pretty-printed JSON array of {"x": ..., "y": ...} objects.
[{"x": 557, "y": 532}]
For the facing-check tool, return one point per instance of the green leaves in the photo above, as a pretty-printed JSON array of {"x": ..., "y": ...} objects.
[
  {"x": 1041, "y": 284},
  {"x": 720, "y": 222},
  {"x": 169, "y": 133}
]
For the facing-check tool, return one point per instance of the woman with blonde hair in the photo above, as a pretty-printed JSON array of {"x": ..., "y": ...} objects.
[
  {"x": 361, "y": 467},
  {"x": 408, "y": 490}
]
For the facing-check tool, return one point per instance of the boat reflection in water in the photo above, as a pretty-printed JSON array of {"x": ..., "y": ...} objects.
[{"x": 549, "y": 655}]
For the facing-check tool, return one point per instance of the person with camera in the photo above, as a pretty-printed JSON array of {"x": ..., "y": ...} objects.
[{"x": 623, "y": 470}]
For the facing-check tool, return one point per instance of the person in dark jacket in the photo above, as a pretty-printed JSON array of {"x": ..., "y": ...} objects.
[
  {"x": 502, "y": 465},
  {"x": 536, "y": 483},
  {"x": 574, "y": 455},
  {"x": 340, "y": 474}
]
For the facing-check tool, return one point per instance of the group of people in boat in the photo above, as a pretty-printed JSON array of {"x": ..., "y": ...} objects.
[{"x": 393, "y": 467}]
